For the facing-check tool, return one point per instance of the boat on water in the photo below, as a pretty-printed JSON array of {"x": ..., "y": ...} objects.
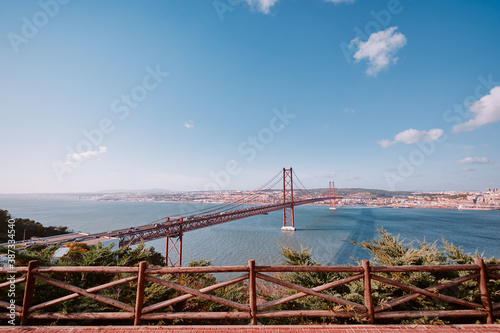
[{"x": 476, "y": 207}]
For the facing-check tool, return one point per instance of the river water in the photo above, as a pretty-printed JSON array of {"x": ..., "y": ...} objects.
[{"x": 329, "y": 233}]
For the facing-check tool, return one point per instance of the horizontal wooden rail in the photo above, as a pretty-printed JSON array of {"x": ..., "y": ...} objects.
[
  {"x": 493, "y": 268},
  {"x": 209, "y": 269},
  {"x": 87, "y": 269},
  {"x": 302, "y": 269},
  {"x": 436, "y": 268},
  {"x": 253, "y": 276}
]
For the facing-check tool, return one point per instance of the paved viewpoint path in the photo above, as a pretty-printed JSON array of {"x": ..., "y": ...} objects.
[{"x": 257, "y": 329}]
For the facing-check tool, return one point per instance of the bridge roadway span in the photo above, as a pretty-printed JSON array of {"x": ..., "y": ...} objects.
[{"x": 176, "y": 227}]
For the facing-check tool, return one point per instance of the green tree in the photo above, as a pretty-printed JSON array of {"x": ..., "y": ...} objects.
[{"x": 26, "y": 228}]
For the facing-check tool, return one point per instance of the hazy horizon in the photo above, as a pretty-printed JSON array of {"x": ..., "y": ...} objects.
[{"x": 111, "y": 191}]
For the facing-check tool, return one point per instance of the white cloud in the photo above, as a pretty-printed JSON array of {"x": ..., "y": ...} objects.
[
  {"x": 74, "y": 160},
  {"x": 412, "y": 135},
  {"x": 468, "y": 170},
  {"x": 189, "y": 124},
  {"x": 475, "y": 160},
  {"x": 262, "y": 5},
  {"x": 379, "y": 49},
  {"x": 386, "y": 143},
  {"x": 354, "y": 177},
  {"x": 347, "y": 110},
  {"x": 485, "y": 111}
]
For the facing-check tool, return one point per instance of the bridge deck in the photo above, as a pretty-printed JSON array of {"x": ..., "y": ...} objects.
[{"x": 179, "y": 226}]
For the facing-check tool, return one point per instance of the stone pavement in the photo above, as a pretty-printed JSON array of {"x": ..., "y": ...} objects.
[{"x": 257, "y": 329}]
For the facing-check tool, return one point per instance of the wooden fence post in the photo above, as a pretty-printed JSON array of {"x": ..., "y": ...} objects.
[
  {"x": 367, "y": 284},
  {"x": 252, "y": 292},
  {"x": 29, "y": 288},
  {"x": 139, "y": 299},
  {"x": 483, "y": 289}
]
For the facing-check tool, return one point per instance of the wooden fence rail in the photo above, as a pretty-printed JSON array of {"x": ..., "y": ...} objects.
[{"x": 255, "y": 308}]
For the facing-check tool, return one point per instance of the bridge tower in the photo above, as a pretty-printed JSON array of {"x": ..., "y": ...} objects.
[
  {"x": 173, "y": 248},
  {"x": 288, "y": 214},
  {"x": 332, "y": 194}
]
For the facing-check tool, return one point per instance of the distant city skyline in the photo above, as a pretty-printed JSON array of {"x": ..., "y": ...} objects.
[{"x": 393, "y": 95}]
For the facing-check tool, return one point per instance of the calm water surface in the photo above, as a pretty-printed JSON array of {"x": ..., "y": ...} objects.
[{"x": 328, "y": 233}]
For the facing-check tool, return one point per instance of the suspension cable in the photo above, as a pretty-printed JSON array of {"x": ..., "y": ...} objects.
[
  {"x": 263, "y": 189},
  {"x": 225, "y": 206}
]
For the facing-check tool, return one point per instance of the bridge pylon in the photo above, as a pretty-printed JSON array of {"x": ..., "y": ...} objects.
[
  {"x": 288, "y": 213},
  {"x": 332, "y": 194},
  {"x": 173, "y": 249}
]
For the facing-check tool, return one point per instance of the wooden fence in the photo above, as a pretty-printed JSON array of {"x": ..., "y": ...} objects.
[{"x": 255, "y": 307}]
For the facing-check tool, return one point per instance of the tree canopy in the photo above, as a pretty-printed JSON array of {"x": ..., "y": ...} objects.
[{"x": 32, "y": 228}]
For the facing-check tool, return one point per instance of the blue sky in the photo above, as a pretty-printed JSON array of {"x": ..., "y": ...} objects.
[{"x": 223, "y": 94}]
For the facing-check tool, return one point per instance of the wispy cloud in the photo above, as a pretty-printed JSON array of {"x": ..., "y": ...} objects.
[
  {"x": 189, "y": 124},
  {"x": 386, "y": 143},
  {"x": 485, "y": 111},
  {"x": 379, "y": 49},
  {"x": 348, "y": 110},
  {"x": 262, "y": 5},
  {"x": 475, "y": 160},
  {"x": 354, "y": 177},
  {"x": 340, "y": 1},
  {"x": 412, "y": 136},
  {"x": 73, "y": 160},
  {"x": 328, "y": 175},
  {"x": 467, "y": 169}
]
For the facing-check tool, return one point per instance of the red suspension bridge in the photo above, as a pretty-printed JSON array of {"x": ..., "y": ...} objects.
[{"x": 172, "y": 228}]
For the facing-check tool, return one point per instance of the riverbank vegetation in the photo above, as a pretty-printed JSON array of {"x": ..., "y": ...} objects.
[
  {"x": 385, "y": 250},
  {"x": 26, "y": 228}
]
